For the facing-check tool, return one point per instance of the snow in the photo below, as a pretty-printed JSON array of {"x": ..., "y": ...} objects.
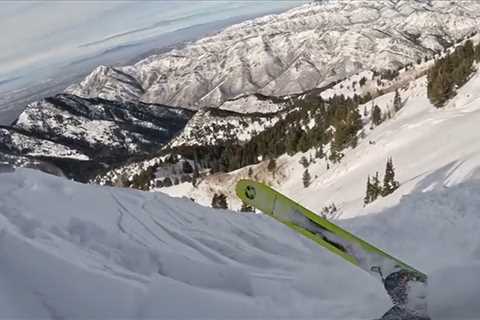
[
  {"x": 420, "y": 138},
  {"x": 82, "y": 251},
  {"x": 431, "y": 221},
  {"x": 252, "y": 104},
  {"x": 207, "y": 128},
  {"x": 36, "y": 147}
]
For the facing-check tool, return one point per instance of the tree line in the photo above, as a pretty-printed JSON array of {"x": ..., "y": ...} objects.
[
  {"x": 451, "y": 72},
  {"x": 375, "y": 189}
]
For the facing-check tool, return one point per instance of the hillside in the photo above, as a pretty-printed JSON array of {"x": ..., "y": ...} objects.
[
  {"x": 365, "y": 112},
  {"x": 144, "y": 255},
  {"x": 421, "y": 139},
  {"x": 83, "y": 136},
  {"x": 305, "y": 48}
]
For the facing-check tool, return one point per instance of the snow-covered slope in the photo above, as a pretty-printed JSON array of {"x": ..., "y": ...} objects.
[
  {"x": 304, "y": 48},
  {"x": 83, "y": 251},
  {"x": 421, "y": 140},
  {"x": 210, "y": 127}
]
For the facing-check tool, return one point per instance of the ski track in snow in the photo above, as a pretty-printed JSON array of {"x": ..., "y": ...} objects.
[
  {"x": 65, "y": 254},
  {"x": 431, "y": 222}
]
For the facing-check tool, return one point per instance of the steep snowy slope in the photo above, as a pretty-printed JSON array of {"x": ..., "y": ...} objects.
[
  {"x": 420, "y": 138},
  {"x": 304, "y": 48},
  {"x": 82, "y": 251}
]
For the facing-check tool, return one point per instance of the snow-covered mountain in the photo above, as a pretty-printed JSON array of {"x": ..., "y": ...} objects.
[
  {"x": 77, "y": 133},
  {"x": 422, "y": 140},
  {"x": 304, "y": 48},
  {"x": 210, "y": 127},
  {"x": 122, "y": 253},
  {"x": 330, "y": 46}
]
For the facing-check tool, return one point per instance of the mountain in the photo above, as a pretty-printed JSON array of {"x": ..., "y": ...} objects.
[
  {"x": 71, "y": 250},
  {"x": 122, "y": 253},
  {"x": 302, "y": 49},
  {"x": 83, "y": 136},
  {"x": 426, "y": 144},
  {"x": 327, "y": 49}
]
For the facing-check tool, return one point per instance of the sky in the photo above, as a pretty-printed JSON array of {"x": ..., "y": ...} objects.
[{"x": 48, "y": 34}]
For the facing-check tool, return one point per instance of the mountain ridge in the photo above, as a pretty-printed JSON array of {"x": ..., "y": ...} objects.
[{"x": 302, "y": 49}]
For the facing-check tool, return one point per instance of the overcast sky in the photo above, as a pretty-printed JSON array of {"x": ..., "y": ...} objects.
[{"x": 44, "y": 33}]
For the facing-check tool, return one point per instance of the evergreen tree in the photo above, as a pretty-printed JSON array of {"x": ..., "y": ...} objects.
[
  {"x": 363, "y": 81},
  {"x": 246, "y": 208},
  {"x": 185, "y": 178},
  {"x": 376, "y": 115},
  {"x": 368, "y": 195},
  {"x": 187, "y": 167},
  {"x": 167, "y": 182},
  {"x": 306, "y": 178},
  {"x": 397, "y": 101},
  {"x": 319, "y": 152},
  {"x": 304, "y": 162},
  {"x": 450, "y": 73},
  {"x": 219, "y": 201},
  {"x": 330, "y": 212},
  {"x": 376, "y": 188},
  {"x": 477, "y": 53},
  {"x": 272, "y": 165},
  {"x": 196, "y": 173},
  {"x": 389, "y": 182}
]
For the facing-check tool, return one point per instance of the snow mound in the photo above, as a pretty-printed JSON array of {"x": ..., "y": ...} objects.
[{"x": 69, "y": 250}]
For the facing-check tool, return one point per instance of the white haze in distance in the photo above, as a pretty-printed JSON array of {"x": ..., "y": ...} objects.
[{"x": 53, "y": 33}]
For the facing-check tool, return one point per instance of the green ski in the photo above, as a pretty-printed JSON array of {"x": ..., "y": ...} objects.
[{"x": 405, "y": 285}]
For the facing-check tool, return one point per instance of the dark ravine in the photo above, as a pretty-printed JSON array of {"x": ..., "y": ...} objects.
[{"x": 97, "y": 133}]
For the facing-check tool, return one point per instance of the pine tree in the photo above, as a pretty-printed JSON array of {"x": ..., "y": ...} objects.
[
  {"x": 389, "y": 182},
  {"x": 376, "y": 115},
  {"x": 272, "y": 165},
  {"x": 167, "y": 182},
  {"x": 304, "y": 162},
  {"x": 194, "y": 178},
  {"x": 376, "y": 188},
  {"x": 368, "y": 195},
  {"x": 219, "y": 201},
  {"x": 363, "y": 81},
  {"x": 319, "y": 152},
  {"x": 450, "y": 73},
  {"x": 477, "y": 53},
  {"x": 196, "y": 173},
  {"x": 306, "y": 178},
  {"x": 246, "y": 208},
  {"x": 397, "y": 101},
  {"x": 187, "y": 167}
]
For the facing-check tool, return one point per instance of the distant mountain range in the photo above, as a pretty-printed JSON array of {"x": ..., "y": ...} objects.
[
  {"x": 304, "y": 48},
  {"x": 119, "y": 114}
]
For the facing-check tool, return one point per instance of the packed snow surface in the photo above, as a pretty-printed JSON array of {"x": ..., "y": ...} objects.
[{"x": 69, "y": 250}]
